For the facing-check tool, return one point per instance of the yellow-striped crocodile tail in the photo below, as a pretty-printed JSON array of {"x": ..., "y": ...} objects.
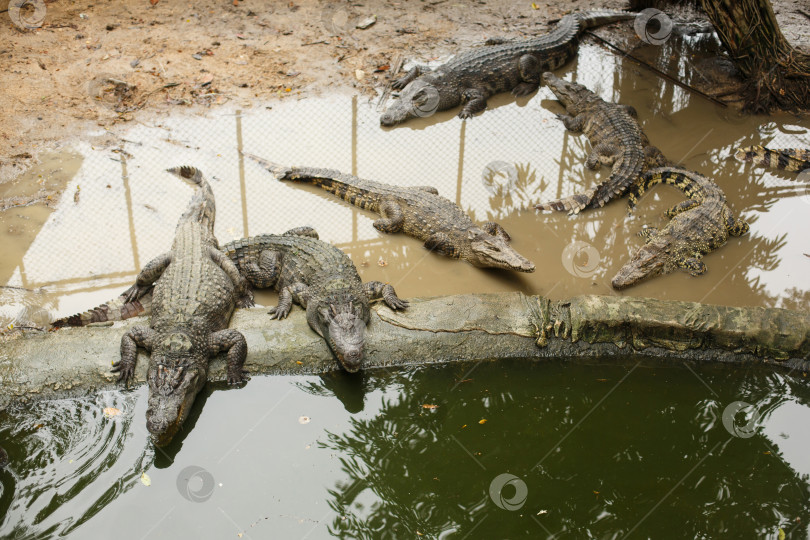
[{"x": 786, "y": 159}]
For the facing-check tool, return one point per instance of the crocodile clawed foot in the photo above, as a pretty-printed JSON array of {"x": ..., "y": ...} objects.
[
  {"x": 398, "y": 303},
  {"x": 238, "y": 377},
  {"x": 125, "y": 371},
  {"x": 278, "y": 313},
  {"x": 246, "y": 301}
]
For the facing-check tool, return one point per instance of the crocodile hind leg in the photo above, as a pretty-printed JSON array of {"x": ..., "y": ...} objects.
[
  {"x": 603, "y": 153},
  {"x": 681, "y": 207},
  {"x": 137, "y": 336},
  {"x": 529, "y": 68},
  {"x": 476, "y": 101},
  {"x": 147, "y": 276},
  {"x": 392, "y": 218},
  {"x": 413, "y": 73},
  {"x": 647, "y": 233},
  {"x": 243, "y": 292},
  {"x": 495, "y": 229},
  {"x": 263, "y": 274},
  {"x": 302, "y": 231},
  {"x": 442, "y": 244},
  {"x": 376, "y": 290},
  {"x": 234, "y": 342},
  {"x": 297, "y": 291}
]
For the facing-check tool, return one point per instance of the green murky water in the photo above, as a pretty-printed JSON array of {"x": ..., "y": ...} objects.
[{"x": 589, "y": 451}]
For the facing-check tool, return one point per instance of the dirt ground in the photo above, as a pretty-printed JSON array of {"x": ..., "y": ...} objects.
[{"x": 79, "y": 67}]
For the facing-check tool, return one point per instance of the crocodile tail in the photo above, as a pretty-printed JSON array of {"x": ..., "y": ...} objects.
[
  {"x": 202, "y": 208},
  {"x": 592, "y": 19},
  {"x": 114, "y": 310},
  {"x": 679, "y": 178},
  {"x": 347, "y": 187},
  {"x": 573, "y": 204},
  {"x": 786, "y": 159}
]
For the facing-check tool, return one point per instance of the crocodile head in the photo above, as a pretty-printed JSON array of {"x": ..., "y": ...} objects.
[
  {"x": 342, "y": 323},
  {"x": 174, "y": 379},
  {"x": 652, "y": 259},
  {"x": 495, "y": 252},
  {"x": 570, "y": 94},
  {"x": 420, "y": 99}
]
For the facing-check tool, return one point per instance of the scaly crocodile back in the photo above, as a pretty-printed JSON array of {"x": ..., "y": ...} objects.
[
  {"x": 786, "y": 159},
  {"x": 316, "y": 263}
]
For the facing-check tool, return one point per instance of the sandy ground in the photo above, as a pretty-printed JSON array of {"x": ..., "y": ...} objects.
[{"x": 82, "y": 67}]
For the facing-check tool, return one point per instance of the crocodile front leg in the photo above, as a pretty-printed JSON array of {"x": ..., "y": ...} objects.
[
  {"x": 529, "y": 68},
  {"x": 476, "y": 102},
  {"x": 495, "y": 229},
  {"x": 147, "y": 277},
  {"x": 137, "y": 336},
  {"x": 736, "y": 226},
  {"x": 376, "y": 290},
  {"x": 413, "y": 73},
  {"x": 264, "y": 273},
  {"x": 572, "y": 123},
  {"x": 693, "y": 265},
  {"x": 234, "y": 342},
  {"x": 392, "y": 217},
  {"x": 442, "y": 244},
  {"x": 243, "y": 292},
  {"x": 298, "y": 291}
]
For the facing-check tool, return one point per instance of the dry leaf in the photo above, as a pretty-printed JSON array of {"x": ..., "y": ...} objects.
[
  {"x": 145, "y": 480},
  {"x": 482, "y": 421},
  {"x": 429, "y": 406},
  {"x": 109, "y": 412}
]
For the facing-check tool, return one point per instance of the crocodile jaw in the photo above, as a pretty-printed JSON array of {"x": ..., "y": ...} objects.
[
  {"x": 649, "y": 261},
  {"x": 495, "y": 252},
  {"x": 570, "y": 94},
  {"x": 171, "y": 395},
  {"x": 420, "y": 98}
]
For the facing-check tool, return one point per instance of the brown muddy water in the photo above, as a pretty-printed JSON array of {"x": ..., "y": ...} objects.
[{"x": 118, "y": 208}]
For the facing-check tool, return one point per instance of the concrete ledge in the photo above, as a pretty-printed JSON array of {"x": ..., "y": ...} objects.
[{"x": 76, "y": 361}]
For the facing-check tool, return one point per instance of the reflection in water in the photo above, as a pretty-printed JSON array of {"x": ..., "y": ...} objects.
[
  {"x": 652, "y": 457},
  {"x": 69, "y": 461}
]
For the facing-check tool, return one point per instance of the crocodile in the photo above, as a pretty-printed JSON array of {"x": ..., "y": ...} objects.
[
  {"x": 616, "y": 139},
  {"x": 786, "y": 159},
  {"x": 698, "y": 225},
  {"x": 419, "y": 212},
  {"x": 319, "y": 277},
  {"x": 499, "y": 66},
  {"x": 194, "y": 289}
]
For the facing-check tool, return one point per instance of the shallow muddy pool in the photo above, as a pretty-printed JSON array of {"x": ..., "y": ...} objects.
[
  {"x": 513, "y": 449},
  {"x": 118, "y": 207}
]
